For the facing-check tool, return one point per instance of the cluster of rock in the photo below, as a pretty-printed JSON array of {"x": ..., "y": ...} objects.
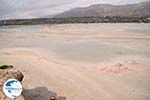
[{"x": 9, "y": 72}]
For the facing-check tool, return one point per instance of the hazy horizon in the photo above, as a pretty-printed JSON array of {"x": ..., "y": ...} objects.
[{"x": 11, "y": 9}]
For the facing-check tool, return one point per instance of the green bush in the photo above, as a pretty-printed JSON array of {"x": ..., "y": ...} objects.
[{"x": 5, "y": 66}]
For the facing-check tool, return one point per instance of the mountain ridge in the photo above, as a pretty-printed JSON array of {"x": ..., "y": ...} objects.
[{"x": 100, "y": 10}]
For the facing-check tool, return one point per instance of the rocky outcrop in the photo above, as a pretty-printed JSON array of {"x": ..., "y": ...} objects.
[{"x": 9, "y": 72}]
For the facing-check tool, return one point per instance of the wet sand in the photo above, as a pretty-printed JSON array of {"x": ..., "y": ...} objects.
[{"x": 81, "y": 61}]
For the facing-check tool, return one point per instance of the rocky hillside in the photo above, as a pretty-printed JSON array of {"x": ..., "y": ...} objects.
[{"x": 101, "y": 10}]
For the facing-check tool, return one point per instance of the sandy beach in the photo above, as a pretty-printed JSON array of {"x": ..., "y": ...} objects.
[{"x": 80, "y": 61}]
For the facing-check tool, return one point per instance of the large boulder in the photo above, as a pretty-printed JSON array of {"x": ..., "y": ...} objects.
[{"x": 9, "y": 72}]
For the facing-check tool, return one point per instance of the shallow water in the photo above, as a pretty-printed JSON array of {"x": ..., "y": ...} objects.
[
  {"x": 92, "y": 51},
  {"x": 79, "y": 42}
]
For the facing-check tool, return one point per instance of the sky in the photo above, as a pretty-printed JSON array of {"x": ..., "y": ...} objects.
[{"x": 12, "y": 9}]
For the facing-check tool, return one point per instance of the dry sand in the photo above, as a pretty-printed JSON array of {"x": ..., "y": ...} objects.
[{"x": 80, "y": 61}]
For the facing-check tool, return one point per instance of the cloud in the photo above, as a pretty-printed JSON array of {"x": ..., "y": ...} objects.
[{"x": 39, "y": 8}]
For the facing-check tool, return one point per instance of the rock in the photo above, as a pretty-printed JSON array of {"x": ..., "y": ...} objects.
[
  {"x": 3, "y": 97},
  {"x": 9, "y": 72}
]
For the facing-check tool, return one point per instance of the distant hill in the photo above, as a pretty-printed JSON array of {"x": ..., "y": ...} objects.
[{"x": 100, "y": 10}]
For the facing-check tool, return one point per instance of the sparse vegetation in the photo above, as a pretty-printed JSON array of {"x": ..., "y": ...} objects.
[
  {"x": 107, "y": 19},
  {"x": 5, "y": 66}
]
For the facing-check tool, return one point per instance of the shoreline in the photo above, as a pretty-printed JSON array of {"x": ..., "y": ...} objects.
[{"x": 76, "y": 20}]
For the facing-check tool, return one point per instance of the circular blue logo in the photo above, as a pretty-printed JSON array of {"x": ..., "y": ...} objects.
[{"x": 12, "y": 88}]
